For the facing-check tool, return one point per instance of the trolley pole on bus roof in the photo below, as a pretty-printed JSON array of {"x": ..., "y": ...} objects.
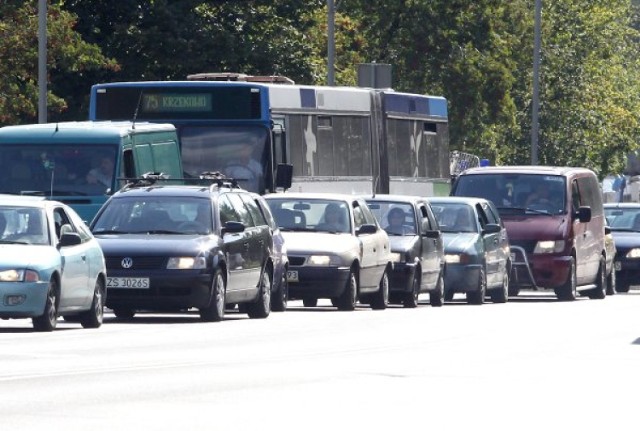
[
  {"x": 42, "y": 61},
  {"x": 331, "y": 42},
  {"x": 536, "y": 82}
]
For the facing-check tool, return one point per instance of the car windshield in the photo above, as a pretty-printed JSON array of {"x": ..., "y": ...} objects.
[
  {"x": 167, "y": 215},
  {"x": 455, "y": 217},
  {"x": 396, "y": 218},
  {"x": 517, "y": 193},
  {"x": 23, "y": 225},
  {"x": 623, "y": 219},
  {"x": 316, "y": 215}
]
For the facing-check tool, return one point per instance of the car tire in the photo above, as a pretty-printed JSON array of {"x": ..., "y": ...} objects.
[
  {"x": 347, "y": 301},
  {"x": 622, "y": 286},
  {"x": 124, "y": 313},
  {"x": 448, "y": 294},
  {"x": 380, "y": 299},
  {"x": 611, "y": 282},
  {"x": 501, "y": 294},
  {"x": 48, "y": 320},
  {"x": 569, "y": 290},
  {"x": 437, "y": 297},
  {"x": 477, "y": 296},
  {"x": 93, "y": 317},
  {"x": 410, "y": 299},
  {"x": 310, "y": 302},
  {"x": 279, "y": 297},
  {"x": 214, "y": 312},
  {"x": 600, "y": 291},
  {"x": 261, "y": 308}
]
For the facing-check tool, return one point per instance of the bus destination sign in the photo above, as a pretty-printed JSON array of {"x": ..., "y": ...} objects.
[{"x": 167, "y": 102}]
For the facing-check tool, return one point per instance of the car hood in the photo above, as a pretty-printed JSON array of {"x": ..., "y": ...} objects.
[
  {"x": 402, "y": 243},
  {"x": 155, "y": 244},
  {"x": 314, "y": 242},
  {"x": 28, "y": 256},
  {"x": 456, "y": 242},
  {"x": 626, "y": 240},
  {"x": 535, "y": 227}
]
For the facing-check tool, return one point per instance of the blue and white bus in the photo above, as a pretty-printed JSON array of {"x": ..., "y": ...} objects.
[{"x": 344, "y": 139}]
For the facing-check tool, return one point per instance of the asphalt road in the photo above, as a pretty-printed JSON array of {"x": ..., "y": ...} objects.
[{"x": 531, "y": 364}]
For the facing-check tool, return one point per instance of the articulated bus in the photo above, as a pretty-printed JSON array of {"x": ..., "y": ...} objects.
[{"x": 344, "y": 139}]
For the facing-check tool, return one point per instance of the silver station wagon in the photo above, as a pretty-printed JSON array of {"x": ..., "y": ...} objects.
[{"x": 336, "y": 249}]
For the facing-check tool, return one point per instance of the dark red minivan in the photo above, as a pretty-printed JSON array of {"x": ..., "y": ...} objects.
[{"x": 555, "y": 221}]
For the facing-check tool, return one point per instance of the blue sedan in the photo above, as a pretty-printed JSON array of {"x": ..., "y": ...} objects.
[
  {"x": 476, "y": 248},
  {"x": 50, "y": 264}
]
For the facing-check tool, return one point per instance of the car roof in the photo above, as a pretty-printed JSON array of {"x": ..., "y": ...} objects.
[
  {"x": 525, "y": 169},
  {"x": 200, "y": 191},
  {"x": 395, "y": 198},
  {"x": 457, "y": 199},
  {"x": 312, "y": 196},
  {"x": 27, "y": 201}
]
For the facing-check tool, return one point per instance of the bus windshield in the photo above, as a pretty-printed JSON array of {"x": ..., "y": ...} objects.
[
  {"x": 57, "y": 169},
  {"x": 237, "y": 152}
]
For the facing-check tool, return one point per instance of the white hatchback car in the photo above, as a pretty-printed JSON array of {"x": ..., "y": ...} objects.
[{"x": 336, "y": 249}]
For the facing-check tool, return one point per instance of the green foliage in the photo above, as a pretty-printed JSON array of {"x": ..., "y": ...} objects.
[{"x": 478, "y": 54}]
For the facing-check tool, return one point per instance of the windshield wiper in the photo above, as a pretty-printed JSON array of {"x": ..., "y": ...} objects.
[{"x": 4, "y": 241}]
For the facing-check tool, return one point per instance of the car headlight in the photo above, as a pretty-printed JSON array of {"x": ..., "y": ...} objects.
[
  {"x": 187, "y": 263},
  {"x": 634, "y": 253},
  {"x": 323, "y": 260},
  {"x": 397, "y": 257},
  {"x": 543, "y": 247},
  {"x": 456, "y": 258},
  {"x": 19, "y": 275}
]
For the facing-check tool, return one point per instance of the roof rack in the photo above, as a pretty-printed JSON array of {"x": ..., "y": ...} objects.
[
  {"x": 215, "y": 178},
  {"x": 208, "y": 179},
  {"x": 230, "y": 76},
  {"x": 145, "y": 180}
]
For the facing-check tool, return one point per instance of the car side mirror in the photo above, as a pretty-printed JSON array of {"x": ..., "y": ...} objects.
[
  {"x": 232, "y": 227},
  {"x": 284, "y": 174},
  {"x": 69, "y": 239},
  {"x": 366, "y": 229},
  {"x": 431, "y": 233},
  {"x": 607, "y": 230},
  {"x": 491, "y": 228},
  {"x": 584, "y": 214}
]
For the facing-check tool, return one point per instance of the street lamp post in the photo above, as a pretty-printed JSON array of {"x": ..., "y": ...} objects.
[
  {"x": 536, "y": 82},
  {"x": 42, "y": 61},
  {"x": 331, "y": 43}
]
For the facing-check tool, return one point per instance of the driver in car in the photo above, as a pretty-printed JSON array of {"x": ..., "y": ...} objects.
[{"x": 246, "y": 169}]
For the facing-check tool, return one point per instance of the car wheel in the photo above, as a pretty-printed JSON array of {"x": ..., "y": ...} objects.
[
  {"x": 411, "y": 298},
  {"x": 310, "y": 302},
  {"x": 49, "y": 318},
  {"x": 611, "y": 282},
  {"x": 262, "y": 307},
  {"x": 437, "y": 297},
  {"x": 622, "y": 286},
  {"x": 214, "y": 312},
  {"x": 600, "y": 291},
  {"x": 501, "y": 295},
  {"x": 93, "y": 317},
  {"x": 280, "y": 296},
  {"x": 448, "y": 294},
  {"x": 124, "y": 313},
  {"x": 477, "y": 297},
  {"x": 569, "y": 290},
  {"x": 380, "y": 299},
  {"x": 347, "y": 301}
]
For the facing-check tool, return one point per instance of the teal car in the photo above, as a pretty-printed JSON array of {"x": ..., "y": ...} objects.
[{"x": 50, "y": 264}]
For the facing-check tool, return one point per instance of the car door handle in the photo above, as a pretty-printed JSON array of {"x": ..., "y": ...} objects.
[{"x": 84, "y": 258}]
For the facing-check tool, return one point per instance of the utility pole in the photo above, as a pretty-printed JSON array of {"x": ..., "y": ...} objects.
[
  {"x": 331, "y": 42},
  {"x": 42, "y": 61},
  {"x": 536, "y": 82}
]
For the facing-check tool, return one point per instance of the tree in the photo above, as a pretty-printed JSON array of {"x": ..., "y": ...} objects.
[{"x": 67, "y": 53}]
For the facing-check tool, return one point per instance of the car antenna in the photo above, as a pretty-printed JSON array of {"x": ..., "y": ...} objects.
[{"x": 135, "y": 113}]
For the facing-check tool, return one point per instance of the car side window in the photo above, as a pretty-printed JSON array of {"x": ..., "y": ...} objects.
[
  {"x": 241, "y": 209},
  {"x": 424, "y": 214},
  {"x": 575, "y": 196},
  {"x": 64, "y": 224},
  {"x": 482, "y": 216},
  {"x": 252, "y": 206},
  {"x": 227, "y": 212},
  {"x": 358, "y": 215},
  {"x": 489, "y": 213}
]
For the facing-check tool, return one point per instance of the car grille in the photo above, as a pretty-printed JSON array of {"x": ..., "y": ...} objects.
[
  {"x": 528, "y": 245},
  {"x": 296, "y": 260},
  {"x": 140, "y": 262}
]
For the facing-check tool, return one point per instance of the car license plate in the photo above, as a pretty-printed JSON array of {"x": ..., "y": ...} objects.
[
  {"x": 618, "y": 266},
  {"x": 292, "y": 276},
  {"x": 128, "y": 282}
]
